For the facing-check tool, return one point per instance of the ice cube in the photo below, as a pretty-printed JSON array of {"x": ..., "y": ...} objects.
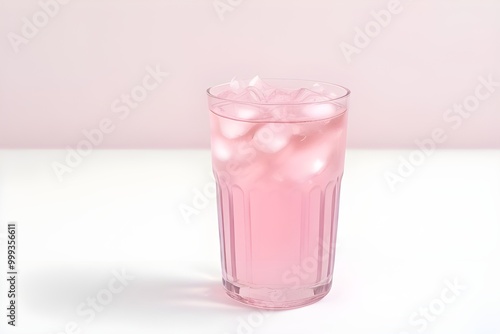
[
  {"x": 318, "y": 111},
  {"x": 304, "y": 95},
  {"x": 316, "y": 106},
  {"x": 221, "y": 150},
  {"x": 246, "y": 112},
  {"x": 317, "y": 166},
  {"x": 232, "y": 129},
  {"x": 299, "y": 94},
  {"x": 236, "y": 88},
  {"x": 260, "y": 87},
  {"x": 253, "y": 94},
  {"x": 305, "y": 129},
  {"x": 257, "y": 82},
  {"x": 305, "y": 161},
  {"x": 238, "y": 124},
  {"x": 235, "y": 85},
  {"x": 279, "y": 96},
  {"x": 320, "y": 89},
  {"x": 247, "y": 94},
  {"x": 279, "y": 113},
  {"x": 272, "y": 137}
]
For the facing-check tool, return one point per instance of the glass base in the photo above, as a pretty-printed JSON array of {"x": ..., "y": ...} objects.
[{"x": 276, "y": 299}]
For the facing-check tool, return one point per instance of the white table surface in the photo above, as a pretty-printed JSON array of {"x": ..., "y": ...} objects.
[{"x": 397, "y": 251}]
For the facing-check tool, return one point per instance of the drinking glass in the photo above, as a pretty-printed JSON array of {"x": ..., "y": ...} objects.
[{"x": 278, "y": 168}]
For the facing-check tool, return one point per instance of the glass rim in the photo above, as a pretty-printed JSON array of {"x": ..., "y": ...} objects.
[{"x": 346, "y": 94}]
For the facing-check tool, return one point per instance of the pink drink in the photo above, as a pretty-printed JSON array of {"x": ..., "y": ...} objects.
[{"x": 278, "y": 159}]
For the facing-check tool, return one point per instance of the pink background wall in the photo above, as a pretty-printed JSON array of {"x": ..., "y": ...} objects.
[{"x": 65, "y": 78}]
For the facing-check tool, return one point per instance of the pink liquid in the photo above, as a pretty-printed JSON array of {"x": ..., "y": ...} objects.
[{"x": 278, "y": 196}]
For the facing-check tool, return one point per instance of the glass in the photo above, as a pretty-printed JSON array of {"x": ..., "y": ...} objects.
[{"x": 278, "y": 168}]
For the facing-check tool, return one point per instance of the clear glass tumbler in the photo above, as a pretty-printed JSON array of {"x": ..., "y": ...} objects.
[{"x": 278, "y": 168}]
